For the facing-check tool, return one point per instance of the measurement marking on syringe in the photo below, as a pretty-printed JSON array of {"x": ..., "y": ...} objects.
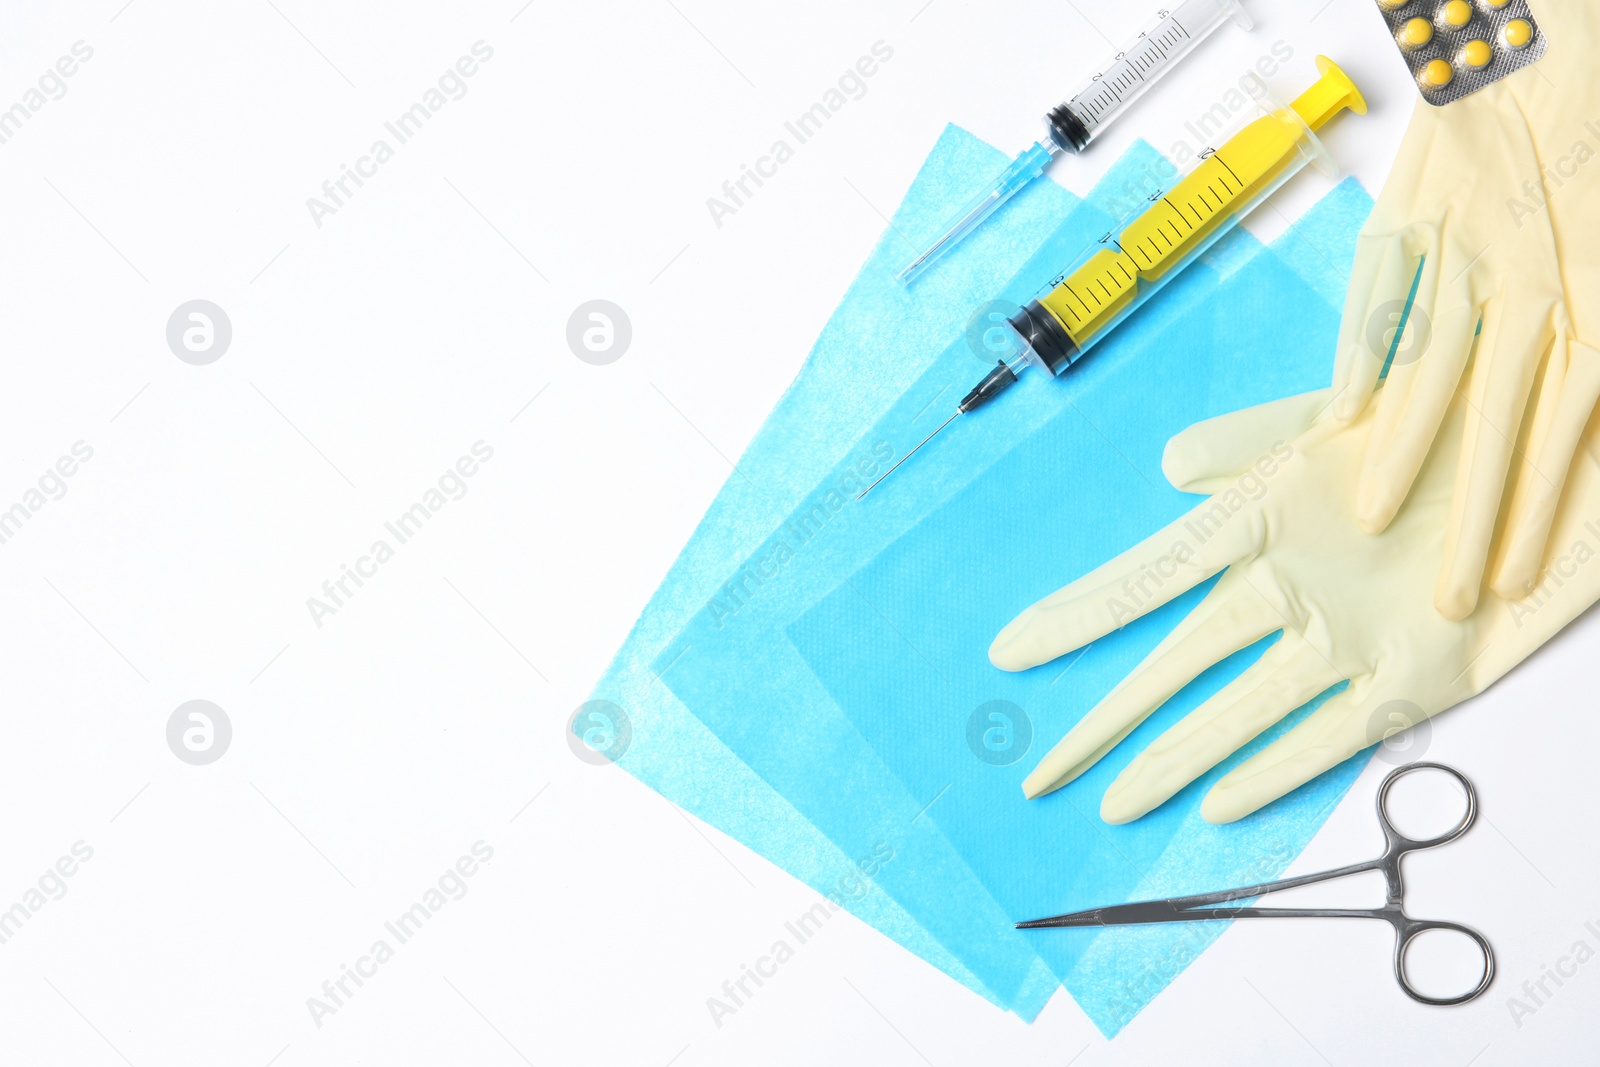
[
  {"x": 1158, "y": 51},
  {"x": 1227, "y": 168},
  {"x": 1073, "y": 125},
  {"x": 1178, "y": 210},
  {"x": 1082, "y": 315},
  {"x": 1169, "y": 230}
]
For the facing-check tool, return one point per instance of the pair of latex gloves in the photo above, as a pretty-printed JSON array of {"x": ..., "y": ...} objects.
[{"x": 1416, "y": 538}]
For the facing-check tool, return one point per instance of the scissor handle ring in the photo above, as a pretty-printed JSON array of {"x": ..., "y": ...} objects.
[
  {"x": 1399, "y": 842},
  {"x": 1408, "y": 930}
]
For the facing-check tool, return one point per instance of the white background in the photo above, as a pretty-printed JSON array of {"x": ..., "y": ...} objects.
[{"x": 425, "y": 715}]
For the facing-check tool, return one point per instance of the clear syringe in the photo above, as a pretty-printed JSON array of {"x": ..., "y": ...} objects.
[
  {"x": 1072, "y": 126},
  {"x": 1154, "y": 244}
]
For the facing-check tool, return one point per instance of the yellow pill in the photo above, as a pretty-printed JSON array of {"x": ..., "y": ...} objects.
[
  {"x": 1457, "y": 13},
  {"x": 1495, "y": 5},
  {"x": 1416, "y": 33},
  {"x": 1390, "y": 5},
  {"x": 1518, "y": 33},
  {"x": 1477, "y": 54},
  {"x": 1437, "y": 75}
]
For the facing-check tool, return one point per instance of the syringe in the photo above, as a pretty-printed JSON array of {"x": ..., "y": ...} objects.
[
  {"x": 1070, "y": 127},
  {"x": 1155, "y": 243}
]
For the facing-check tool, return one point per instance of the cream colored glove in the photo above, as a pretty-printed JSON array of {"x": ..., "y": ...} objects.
[
  {"x": 1467, "y": 201},
  {"x": 1351, "y": 606}
]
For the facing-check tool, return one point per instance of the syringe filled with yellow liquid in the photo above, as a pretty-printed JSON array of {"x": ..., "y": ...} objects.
[{"x": 1140, "y": 255}]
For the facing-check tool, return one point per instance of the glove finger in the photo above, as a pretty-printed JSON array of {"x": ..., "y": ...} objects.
[
  {"x": 1566, "y": 401},
  {"x": 1414, "y": 339},
  {"x": 1221, "y": 625},
  {"x": 1372, "y": 250},
  {"x": 1412, "y": 344},
  {"x": 1362, "y": 349},
  {"x": 1287, "y": 675},
  {"x": 1516, "y": 334},
  {"x": 1210, "y": 455},
  {"x": 1164, "y": 565},
  {"x": 1349, "y": 722},
  {"x": 1415, "y": 411}
]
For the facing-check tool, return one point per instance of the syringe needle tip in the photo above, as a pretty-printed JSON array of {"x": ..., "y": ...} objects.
[{"x": 908, "y": 455}]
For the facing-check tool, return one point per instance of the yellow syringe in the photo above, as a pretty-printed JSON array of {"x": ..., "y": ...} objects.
[{"x": 1147, "y": 250}]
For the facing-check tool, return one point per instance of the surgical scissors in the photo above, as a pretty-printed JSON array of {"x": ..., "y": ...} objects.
[{"x": 1201, "y": 907}]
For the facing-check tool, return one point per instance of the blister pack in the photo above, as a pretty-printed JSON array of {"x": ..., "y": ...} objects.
[{"x": 1456, "y": 47}]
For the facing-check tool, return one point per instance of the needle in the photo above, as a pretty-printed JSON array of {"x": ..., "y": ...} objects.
[
  {"x": 994, "y": 383},
  {"x": 908, "y": 455}
]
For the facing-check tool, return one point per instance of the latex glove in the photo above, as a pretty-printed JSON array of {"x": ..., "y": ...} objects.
[
  {"x": 1465, "y": 200},
  {"x": 1351, "y": 606}
]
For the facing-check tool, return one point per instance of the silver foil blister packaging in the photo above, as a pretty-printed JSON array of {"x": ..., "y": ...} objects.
[{"x": 1456, "y": 47}]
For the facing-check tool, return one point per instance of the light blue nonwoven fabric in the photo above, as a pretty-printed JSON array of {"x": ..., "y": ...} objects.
[
  {"x": 876, "y": 344},
  {"x": 734, "y": 669},
  {"x": 901, "y": 644}
]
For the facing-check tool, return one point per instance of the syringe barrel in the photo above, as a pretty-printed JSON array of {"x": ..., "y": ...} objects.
[
  {"x": 1173, "y": 228},
  {"x": 1170, "y": 35}
]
